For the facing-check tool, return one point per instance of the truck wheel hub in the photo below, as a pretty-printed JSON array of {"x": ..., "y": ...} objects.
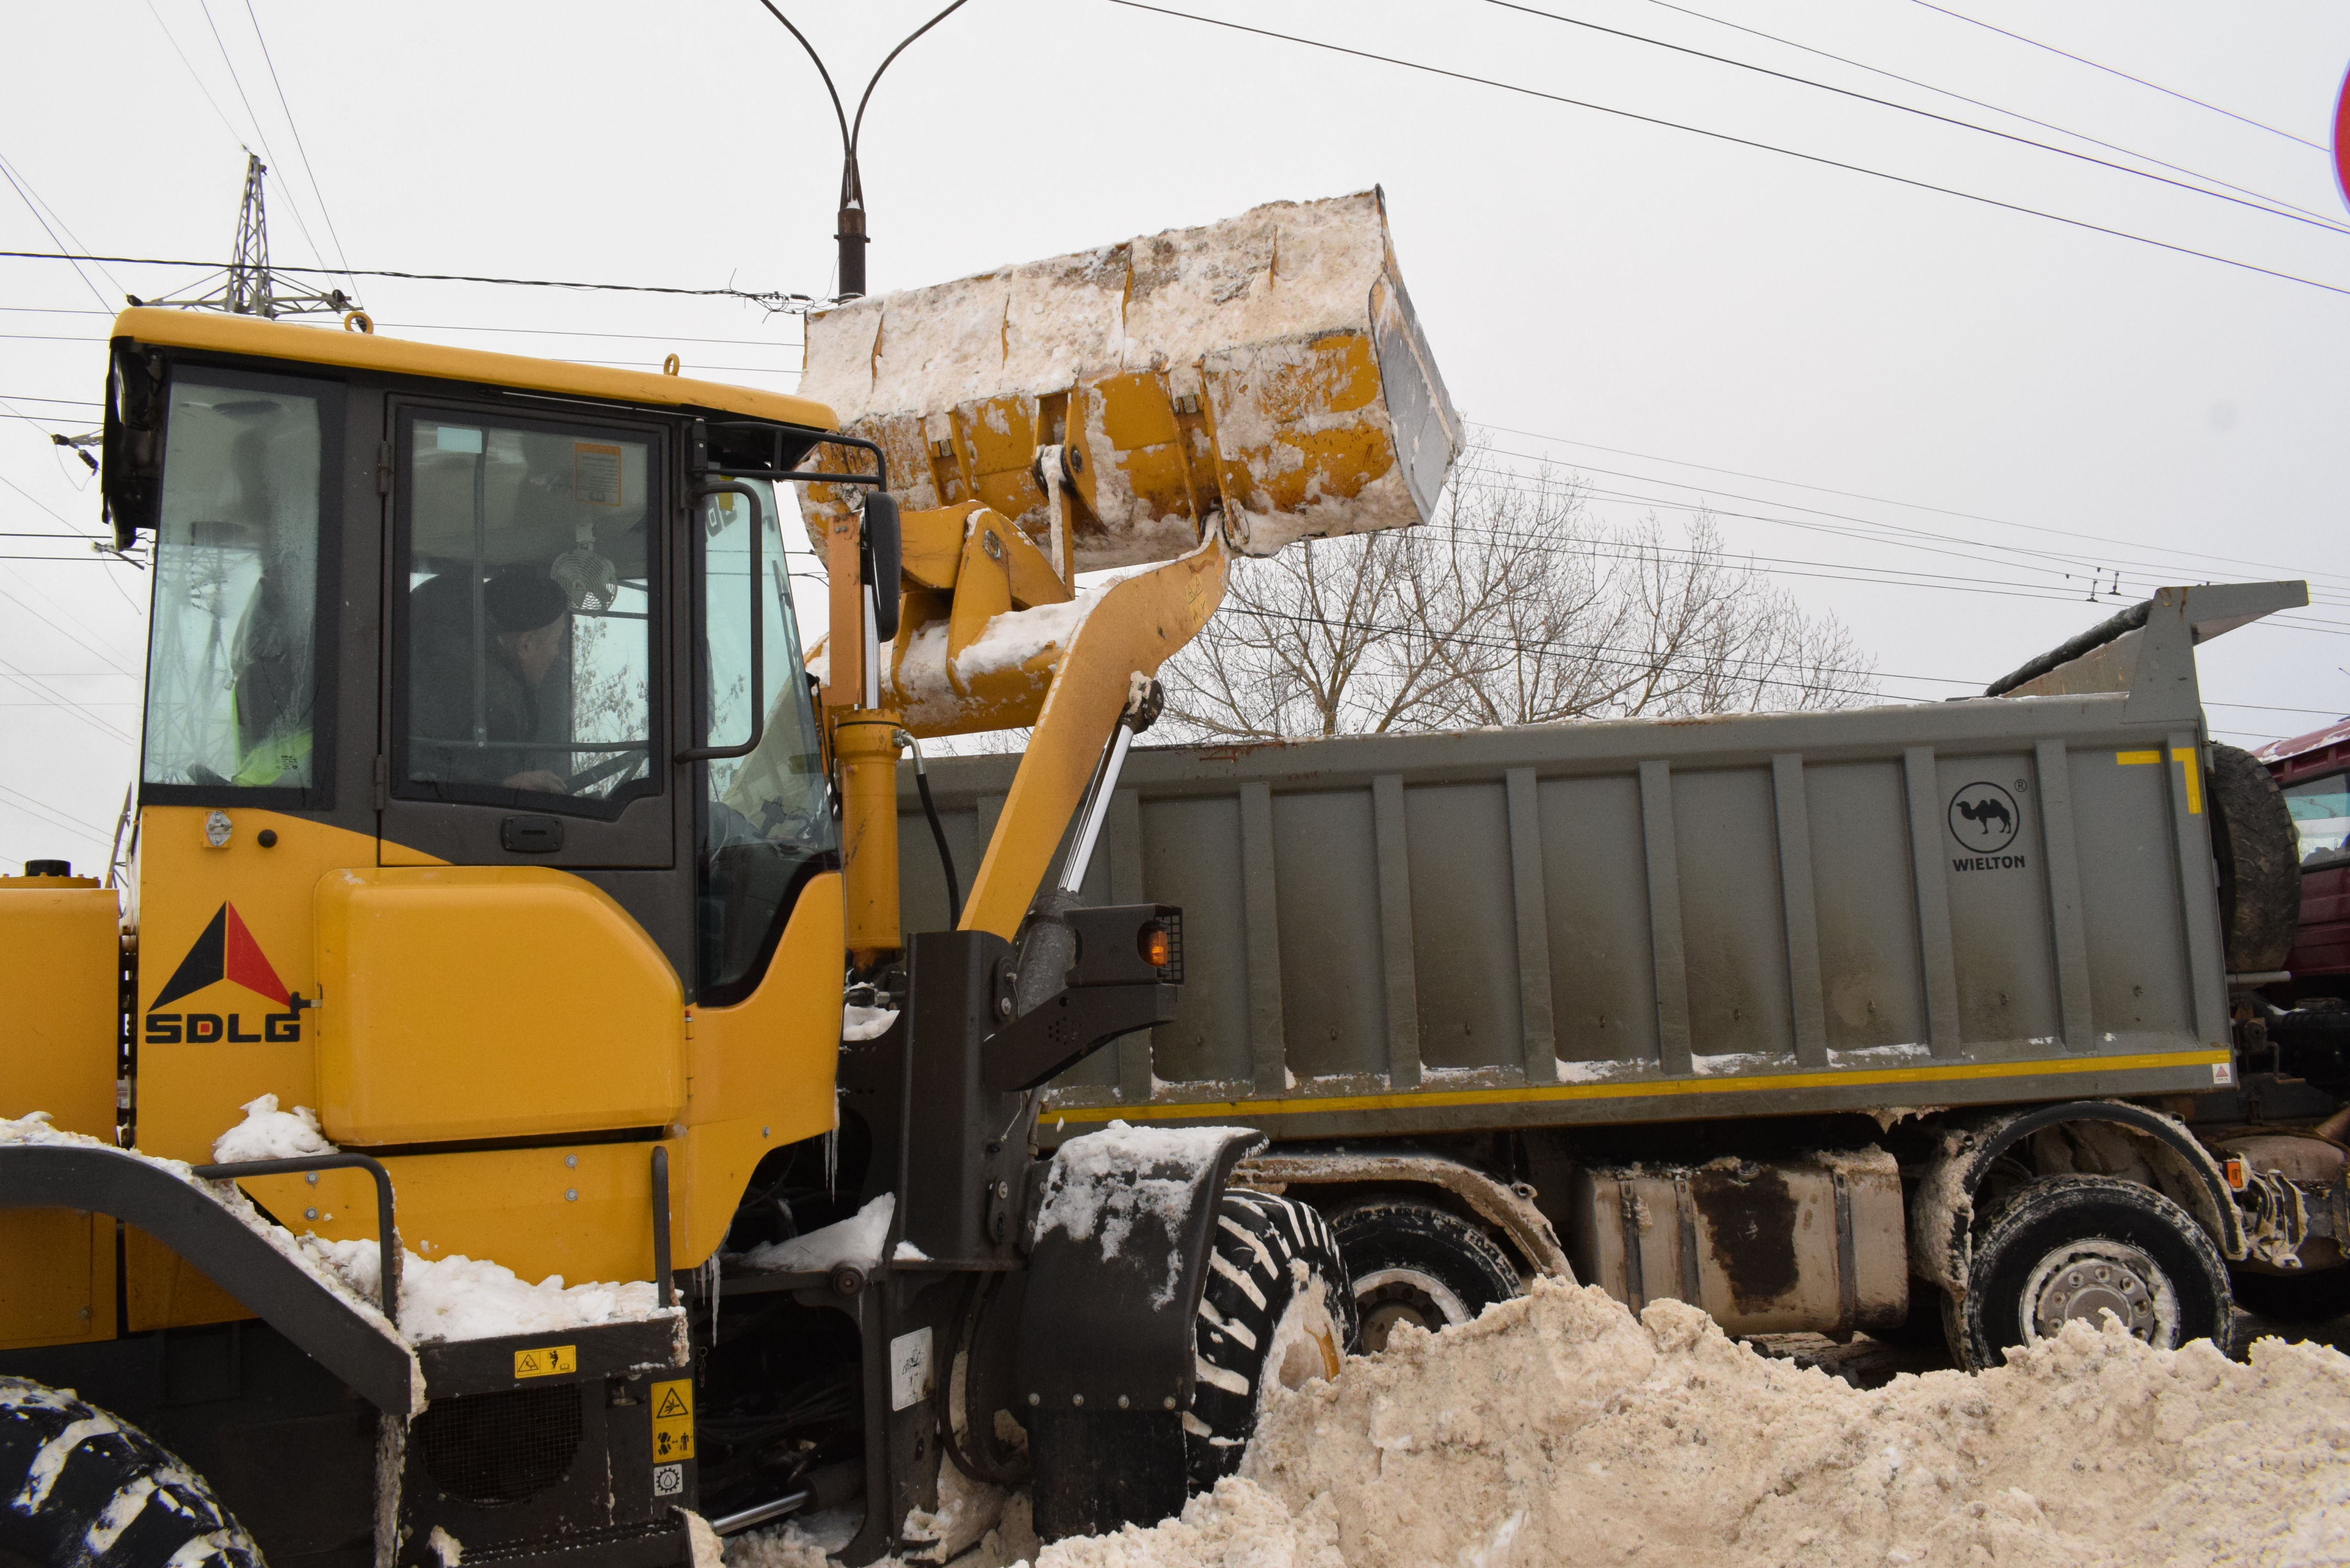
[
  {"x": 2076, "y": 1281},
  {"x": 1390, "y": 1296}
]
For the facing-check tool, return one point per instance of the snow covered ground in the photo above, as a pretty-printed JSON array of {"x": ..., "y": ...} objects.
[{"x": 1559, "y": 1430}]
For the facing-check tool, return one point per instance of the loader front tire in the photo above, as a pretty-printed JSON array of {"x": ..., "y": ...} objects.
[
  {"x": 80, "y": 1486},
  {"x": 1276, "y": 1312}
]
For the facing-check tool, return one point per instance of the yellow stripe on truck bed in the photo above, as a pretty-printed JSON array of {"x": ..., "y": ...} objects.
[{"x": 1634, "y": 1089}]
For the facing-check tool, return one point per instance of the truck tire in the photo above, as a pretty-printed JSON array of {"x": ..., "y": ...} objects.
[
  {"x": 2259, "y": 853},
  {"x": 2067, "y": 1247},
  {"x": 1416, "y": 1263},
  {"x": 1276, "y": 1312},
  {"x": 79, "y": 1489}
]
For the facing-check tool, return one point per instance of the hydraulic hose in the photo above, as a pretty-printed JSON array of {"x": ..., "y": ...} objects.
[{"x": 938, "y": 834}]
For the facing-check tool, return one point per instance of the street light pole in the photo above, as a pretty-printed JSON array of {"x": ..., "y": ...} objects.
[{"x": 849, "y": 230}]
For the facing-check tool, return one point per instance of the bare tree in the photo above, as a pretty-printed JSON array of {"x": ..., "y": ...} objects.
[{"x": 1512, "y": 606}]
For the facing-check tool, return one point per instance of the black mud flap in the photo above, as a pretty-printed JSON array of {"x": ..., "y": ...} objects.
[{"x": 1106, "y": 1362}]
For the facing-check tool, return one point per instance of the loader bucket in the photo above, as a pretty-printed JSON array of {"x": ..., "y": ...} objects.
[{"x": 1264, "y": 375}]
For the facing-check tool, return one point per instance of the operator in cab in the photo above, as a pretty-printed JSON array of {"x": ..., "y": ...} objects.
[{"x": 461, "y": 731}]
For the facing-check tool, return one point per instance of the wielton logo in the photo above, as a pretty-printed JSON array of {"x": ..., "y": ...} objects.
[
  {"x": 224, "y": 951},
  {"x": 1984, "y": 818}
]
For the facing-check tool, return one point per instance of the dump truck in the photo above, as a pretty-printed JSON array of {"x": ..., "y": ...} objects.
[
  {"x": 1928, "y": 1020},
  {"x": 500, "y": 1117}
]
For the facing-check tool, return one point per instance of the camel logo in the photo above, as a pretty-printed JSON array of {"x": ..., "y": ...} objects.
[
  {"x": 1984, "y": 818},
  {"x": 226, "y": 951}
]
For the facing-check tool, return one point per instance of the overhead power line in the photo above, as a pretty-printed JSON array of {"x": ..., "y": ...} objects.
[
  {"x": 1911, "y": 109},
  {"x": 1915, "y": 505},
  {"x": 308, "y": 172},
  {"x": 24, "y": 193},
  {"x": 1744, "y": 141},
  {"x": 775, "y": 300},
  {"x": 2094, "y": 66},
  {"x": 236, "y": 135},
  {"x": 1891, "y": 534},
  {"x": 259, "y": 135},
  {"x": 1995, "y": 108}
]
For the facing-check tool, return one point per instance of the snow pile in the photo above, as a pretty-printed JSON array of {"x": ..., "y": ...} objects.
[
  {"x": 856, "y": 1240},
  {"x": 459, "y": 1297},
  {"x": 269, "y": 1133},
  {"x": 1557, "y": 1429},
  {"x": 1101, "y": 1183},
  {"x": 1030, "y": 640}
]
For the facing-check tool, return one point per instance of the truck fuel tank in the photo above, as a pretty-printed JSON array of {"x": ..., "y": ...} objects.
[{"x": 1813, "y": 1244}]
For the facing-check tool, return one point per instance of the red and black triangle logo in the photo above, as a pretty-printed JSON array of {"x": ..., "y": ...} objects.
[{"x": 226, "y": 951}]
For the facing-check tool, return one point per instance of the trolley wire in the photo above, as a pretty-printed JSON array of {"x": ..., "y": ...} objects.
[
  {"x": 1911, "y": 108},
  {"x": 1744, "y": 141},
  {"x": 1996, "y": 109},
  {"x": 2092, "y": 64}
]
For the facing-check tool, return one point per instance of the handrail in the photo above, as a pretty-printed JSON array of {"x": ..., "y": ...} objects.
[
  {"x": 388, "y": 1234},
  {"x": 662, "y": 1292}
]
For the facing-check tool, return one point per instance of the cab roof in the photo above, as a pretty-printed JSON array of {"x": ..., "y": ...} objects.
[{"x": 220, "y": 333}]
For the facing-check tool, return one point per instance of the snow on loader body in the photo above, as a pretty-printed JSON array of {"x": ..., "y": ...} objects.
[
  {"x": 498, "y": 864},
  {"x": 1832, "y": 1022}
]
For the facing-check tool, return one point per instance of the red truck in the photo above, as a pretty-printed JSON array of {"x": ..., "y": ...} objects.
[{"x": 2314, "y": 771}]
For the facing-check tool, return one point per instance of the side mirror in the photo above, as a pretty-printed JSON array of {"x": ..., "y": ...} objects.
[{"x": 883, "y": 551}]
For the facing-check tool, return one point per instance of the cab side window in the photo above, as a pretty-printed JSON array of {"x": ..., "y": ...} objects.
[
  {"x": 525, "y": 668},
  {"x": 2321, "y": 816}
]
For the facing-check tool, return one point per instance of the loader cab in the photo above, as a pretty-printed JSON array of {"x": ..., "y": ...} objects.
[{"x": 448, "y": 622}]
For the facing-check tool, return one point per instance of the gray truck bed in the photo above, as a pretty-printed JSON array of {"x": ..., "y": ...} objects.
[{"x": 1994, "y": 899}]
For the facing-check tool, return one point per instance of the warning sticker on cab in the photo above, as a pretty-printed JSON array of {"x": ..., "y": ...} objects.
[
  {"x": 548, "y": 1361},
  {"x": 672, "y": 1405},
  {"x": 594, "y": 473}
]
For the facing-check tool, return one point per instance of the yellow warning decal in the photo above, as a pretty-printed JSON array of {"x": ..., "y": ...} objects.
[
  {"x": 548, "y": 1361},
  {"x": 672, "y": 1405},
  {"x": 2185, "y": 758}
]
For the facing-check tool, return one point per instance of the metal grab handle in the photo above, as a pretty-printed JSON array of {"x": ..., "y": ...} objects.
[
  {"x": 758, "y": 630},
  {"x": 663, "y": 1293},
  {"x": 388, "y": 1234}
]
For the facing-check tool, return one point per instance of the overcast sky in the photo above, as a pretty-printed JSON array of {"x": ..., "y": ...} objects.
[{"x": 1823, "y": 356}]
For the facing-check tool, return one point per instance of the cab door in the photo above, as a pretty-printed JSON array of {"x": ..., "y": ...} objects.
[{"x": 525, "y": 690}]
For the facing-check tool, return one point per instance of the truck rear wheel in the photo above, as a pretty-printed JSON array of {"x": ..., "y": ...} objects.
[
  {"x": 1276, "y": 1311},
  {"x": 83, "y": 1488},
  {"x": 2077, "y": 1247},
  {"x": 1416, "y": 1263}
]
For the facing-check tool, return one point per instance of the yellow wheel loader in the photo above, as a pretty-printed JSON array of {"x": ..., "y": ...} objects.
[{"x": 503, "y": 1118}]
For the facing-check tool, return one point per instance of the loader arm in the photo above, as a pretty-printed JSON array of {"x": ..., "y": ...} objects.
[
  {"x": 1165, "y": 403},
  {"x": 1137, "y": 626}
]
